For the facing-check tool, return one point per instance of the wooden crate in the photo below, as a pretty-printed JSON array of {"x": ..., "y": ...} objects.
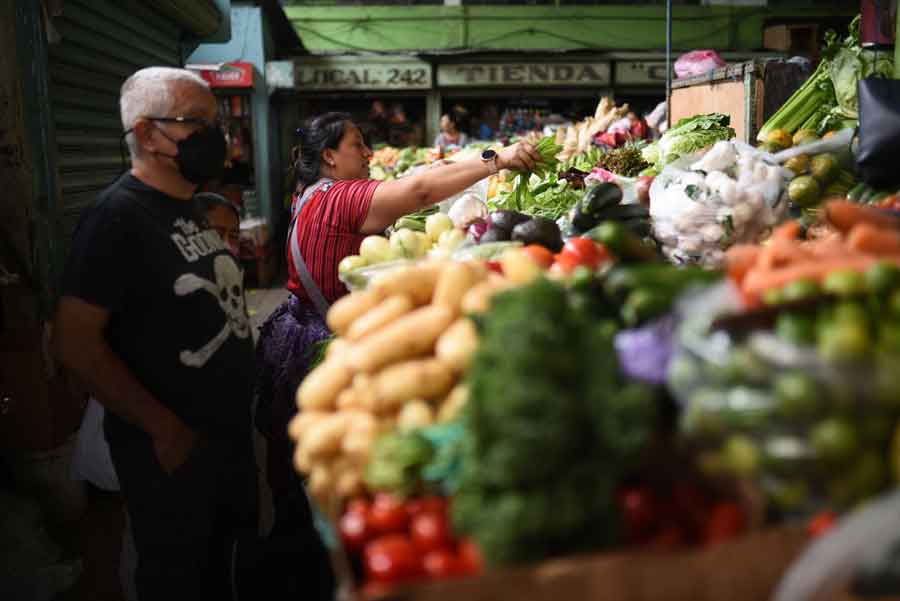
[{"x": 749, "y": 92}]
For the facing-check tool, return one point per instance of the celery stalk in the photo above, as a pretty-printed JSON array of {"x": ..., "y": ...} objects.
[{"x": 802, "y": 105}]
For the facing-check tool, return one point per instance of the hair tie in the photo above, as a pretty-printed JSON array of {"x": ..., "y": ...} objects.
[{"x": 300, "y": 132}]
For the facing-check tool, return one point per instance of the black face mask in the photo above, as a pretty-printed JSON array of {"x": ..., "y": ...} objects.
[{"x": 201, "y": 155}]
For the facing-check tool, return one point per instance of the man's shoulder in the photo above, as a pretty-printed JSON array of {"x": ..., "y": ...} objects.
[{"x": 118, "y": 199}]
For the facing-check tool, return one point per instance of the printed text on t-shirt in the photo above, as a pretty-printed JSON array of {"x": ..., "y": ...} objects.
[{"x": 192, "y": 242}]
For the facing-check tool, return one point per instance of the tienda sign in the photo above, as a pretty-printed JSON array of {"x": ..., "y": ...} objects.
[{"x": 229, "y": 75}]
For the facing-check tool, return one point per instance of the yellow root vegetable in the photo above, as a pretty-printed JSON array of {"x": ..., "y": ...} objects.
[
  {"x": 453, "y": 404},
  {"x": 415, "y": 414},
  {"x": 457, "y": 345},
  {"x": 302, "y": 422},
  {"x": 324, "y": 440},
  {"x": 412, "y": 335},
  {"x": 422, "y": 379},
  {"x": 336, "y": 348},
  {"x": 417, "y": 282},
  {"x": 455, "y": 281},
  {"x": 321, "y": 386},
  {"x": 387, "y": 312},
  {"x": 321, "y": 484},
  {"x": 349, "y": 308},
  {"x": 302, "y": 460},
  {"x": 357, "y": 445},
  {"x": 478, "y": 299}
]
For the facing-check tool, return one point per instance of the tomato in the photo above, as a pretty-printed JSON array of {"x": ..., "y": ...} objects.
[
  {"x": 539, "y": 255},
  {"x": 430, "y": 531},
  {"x": 359, "y": 505},
  {"x": 821, "y": 523},
  {"x": 355, "y": 530},
  {"x": 638, "y": 512},
  {"x": 589, "y": 253},
  {"x": 442, "y": 563},
  {"x": 471, "y": 560},
  {"x": 392, "y": 558},
  {"x": 726, "y": 521},
  {"x": 566, "y": 262},
  {"x": 494, "y": 266},
  {"x": 433, "y": 503},
  {"x": 388, "y": 514}
]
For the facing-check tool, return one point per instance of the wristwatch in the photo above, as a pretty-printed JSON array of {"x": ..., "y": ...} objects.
[{"x": 490, "y": 157}]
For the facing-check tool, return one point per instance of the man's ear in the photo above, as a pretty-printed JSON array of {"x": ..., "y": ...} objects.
[{"x": 143, "y": 135}]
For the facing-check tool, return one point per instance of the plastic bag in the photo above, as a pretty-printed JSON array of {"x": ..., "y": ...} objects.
[
  {"x": 91, "y": 460},
  {"x": 698, "y": 62},
  {"x": 703, "y": 204},
  {"x": 762, "y": 408}
]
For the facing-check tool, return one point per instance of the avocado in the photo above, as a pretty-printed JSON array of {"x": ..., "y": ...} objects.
[
  {"x": 539, "y": 230},
  {"x": 495, "y": 234},
  {"x": 507, "y": 220}
]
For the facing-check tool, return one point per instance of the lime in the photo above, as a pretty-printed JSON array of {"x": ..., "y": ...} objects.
[
  {"x": 741, "y": 455},
  {"x": 796, "y": 328},
  {"x": 824, "y": 167},
  {"x": 889, "y": 338},
  {"x": 844, "y": 283},
  {"x": 704, "y": 414},
  {"x": 780, "y": 138},
  {"x": 789, "y": 495},
  {"x": 894, "y": 303},
  {"x": 773, "y": 296},
  {"x": 887, "y": 381},
  {"x": 804, "y": 191},
  {"x": 882, "y": 277},
  {"x": 741, "y": 366},
  {"x": 802, "y": 289},
  {"x": 804, "y": 136},
  {"x": 844, "y": 342},
  {"x": 868, "y": 478},
  {"x": 835, "y": 441},
  {"x": 799, "y": 164},
  {"x": 797, "y": 395}
]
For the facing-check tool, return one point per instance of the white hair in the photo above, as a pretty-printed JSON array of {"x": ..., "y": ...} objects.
[{"x": 148, "y": 93}]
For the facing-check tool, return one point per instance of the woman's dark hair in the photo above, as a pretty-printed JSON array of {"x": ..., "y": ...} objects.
[
  {"x": 319, "y": 133},
  {"x": 204, "y": 202}
]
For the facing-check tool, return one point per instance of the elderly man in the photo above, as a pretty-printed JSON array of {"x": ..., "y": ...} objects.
[{"x": 152, "y": 317}]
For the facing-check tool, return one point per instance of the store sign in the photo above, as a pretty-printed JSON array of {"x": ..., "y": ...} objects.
[
  {"x": 640, "y": 73},
  {"x": 359, "y": 74},
  {"x": 591, "y": 74},
  {"x": 230, "y": 75}
]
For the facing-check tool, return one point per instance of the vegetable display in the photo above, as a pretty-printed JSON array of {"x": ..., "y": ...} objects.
[
  {"x": 545, "y": 441},
  {"x": 396, "y": 363},
  {"x": 827, "y": 100},
  {"x": 688, "y": 136},
  {"x": 729, "y": 195}
]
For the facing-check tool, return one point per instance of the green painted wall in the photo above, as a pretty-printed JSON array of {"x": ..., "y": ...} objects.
[{"x": 411, "y": 28}]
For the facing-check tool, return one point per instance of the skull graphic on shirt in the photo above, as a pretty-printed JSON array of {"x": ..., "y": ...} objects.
[{"x": 228, "y": 290}]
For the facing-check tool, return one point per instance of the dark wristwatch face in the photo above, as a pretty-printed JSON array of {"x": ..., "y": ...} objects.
[{"x": 488, "y": 155}]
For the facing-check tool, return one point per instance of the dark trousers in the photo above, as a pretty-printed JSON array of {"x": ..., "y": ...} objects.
[{"x": 185, "y": 523}]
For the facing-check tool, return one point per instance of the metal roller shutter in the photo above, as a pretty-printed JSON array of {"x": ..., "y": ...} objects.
[{"x": 102, "y": 43}]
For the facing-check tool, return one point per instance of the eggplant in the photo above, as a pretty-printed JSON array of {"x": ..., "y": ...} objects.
[
  {"x": 495, "y": 234},
  {"x": 539, "y": 230},
  {"x": 507, "y": 220}
]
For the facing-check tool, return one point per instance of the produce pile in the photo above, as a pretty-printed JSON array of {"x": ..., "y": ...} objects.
[
  {"x": 796, "y": 381},
  {"x": 827, "y": 100}
]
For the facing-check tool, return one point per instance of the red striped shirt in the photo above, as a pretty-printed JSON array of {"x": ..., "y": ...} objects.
[{"x": 328, "y": 230}]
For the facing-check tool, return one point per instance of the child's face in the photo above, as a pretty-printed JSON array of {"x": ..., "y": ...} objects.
[{"x": 224, "y": 221}]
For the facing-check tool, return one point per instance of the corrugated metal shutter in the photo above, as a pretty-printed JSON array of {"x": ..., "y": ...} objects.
[{"x": 103, "y": 42}]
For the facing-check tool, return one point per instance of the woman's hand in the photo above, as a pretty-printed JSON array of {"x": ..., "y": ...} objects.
[{"x": 518, "y": 157}]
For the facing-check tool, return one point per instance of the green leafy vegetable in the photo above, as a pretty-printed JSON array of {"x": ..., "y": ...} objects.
[
  {"x": 549, "y": 429},
  {"x": 687, "y": 136},
  {"x": 626, "y": 160},
  {"x": 397, "y": 462}
]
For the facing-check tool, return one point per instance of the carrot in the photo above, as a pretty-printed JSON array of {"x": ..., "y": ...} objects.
[
  {"x": 740, "y": 259},
  {"x": 867, "y": 238},
  {"x": 759, "y": 280},
  {"x": 789, "y": 230},
  {"x": 844, "y": 215}
]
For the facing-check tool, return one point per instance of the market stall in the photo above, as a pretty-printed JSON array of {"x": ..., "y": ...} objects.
[{"x": 675, "y": 353}]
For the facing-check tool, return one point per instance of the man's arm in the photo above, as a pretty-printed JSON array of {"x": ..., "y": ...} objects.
[{"x": 80, "y": 345}]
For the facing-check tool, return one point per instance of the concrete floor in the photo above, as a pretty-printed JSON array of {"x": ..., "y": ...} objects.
[{"x": 96, "y": 538}]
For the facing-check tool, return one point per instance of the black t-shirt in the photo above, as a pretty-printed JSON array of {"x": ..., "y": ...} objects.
[{"x": 176, "y": 297}]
